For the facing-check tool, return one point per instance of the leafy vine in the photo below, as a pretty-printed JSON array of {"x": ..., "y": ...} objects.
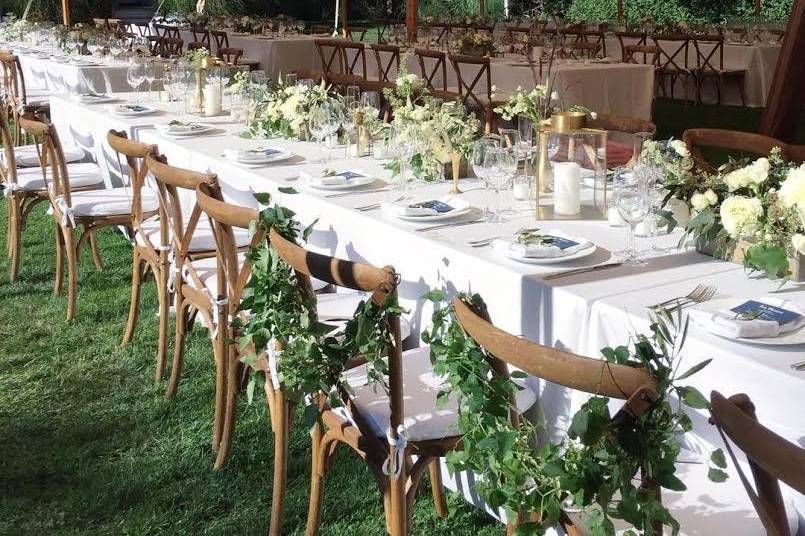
[{"x": 597, "y": 466}]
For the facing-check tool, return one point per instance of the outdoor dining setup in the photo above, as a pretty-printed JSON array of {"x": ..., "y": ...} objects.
[{"x": 482, "y": 286}]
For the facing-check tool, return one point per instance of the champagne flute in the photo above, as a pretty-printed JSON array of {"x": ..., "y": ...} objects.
[{"x": 150, "y": 74}]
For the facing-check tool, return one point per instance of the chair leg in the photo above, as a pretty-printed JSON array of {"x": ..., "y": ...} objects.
[
  {"x": 96, "y": 253},
  {"x": 437, "y": 489},
  {"x": 163, "y": 295},
  {"x": 395, "y": 506},
  {"x": 57, "y": 284},
  {"x": 317, "y": 472},
  {"x": 14, "y": 237},
  {"x": 134, "y": 305},
  {"x": 221, "y": 367},
  {"x": 72, "y": 271},
  {"x": 178, "y": 345},
  {"x": 281, "y": 432},
  {"x": 230, "y": 409}
]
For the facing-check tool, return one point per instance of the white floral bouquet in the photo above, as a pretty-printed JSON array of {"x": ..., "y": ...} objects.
[
  {"x": 285, "y": 110},
  {"x": 476, "y": 43},
  {"x": 757, "y": 206},
  {"x": 534, "y": 104},
  {"x": 196, "y": 57}
]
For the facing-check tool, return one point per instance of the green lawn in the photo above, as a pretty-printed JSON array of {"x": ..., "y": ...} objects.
[{"x": 91, "y": 447}]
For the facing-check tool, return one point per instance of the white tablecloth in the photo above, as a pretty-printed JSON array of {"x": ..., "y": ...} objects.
[
  {"x": 57, "y": 77},
  {"x": 580, "y": 313}
]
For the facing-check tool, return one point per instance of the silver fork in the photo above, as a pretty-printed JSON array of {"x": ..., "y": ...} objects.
[
  {"x": 700, "y": 294},
  {"x": 798, "y": 366}
]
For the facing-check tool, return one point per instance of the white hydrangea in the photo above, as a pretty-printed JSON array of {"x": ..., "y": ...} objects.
[
  {"x": 755, "y": 173},
  {"x": 679, "y": 148},
  {"x": 699, "y": 202},
  {"x": 711, "y": 196},
  {"x": 792, "y": 191},
  {"x": 740, "y": 215}
]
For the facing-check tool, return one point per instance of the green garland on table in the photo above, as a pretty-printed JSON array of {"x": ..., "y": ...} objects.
[
  {"x": 314, "y": 356},
  {"x": 597, "y": 465}
]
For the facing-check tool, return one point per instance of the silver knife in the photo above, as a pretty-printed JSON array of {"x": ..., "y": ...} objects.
[
  {"x": 447, "y": 225},
  {"x": 357, "y": 192},
  {"x": 582, "y": 270}
]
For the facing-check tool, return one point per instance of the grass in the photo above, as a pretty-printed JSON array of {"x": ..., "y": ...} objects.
[{"x": 91, "y": 446}]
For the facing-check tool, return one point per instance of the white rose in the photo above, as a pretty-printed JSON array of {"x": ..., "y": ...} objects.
[
  {"x": 736, "y": 179},
  {"x": 740, "y": 215},
  {"x": 759, "y": 171},
  {"x": 798, "y": 241},
  {"x": 711, "y": 196},
  {"x": 699, "y": 202},
  {"x": 679, "y": 148},
  {"x": 594, "y": 115},
  {"x": 555, "y": 95},
  {"x": 792, "y": 191}
]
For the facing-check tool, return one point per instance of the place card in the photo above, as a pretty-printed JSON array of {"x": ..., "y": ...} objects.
[
  {"x": 435, "y": 205},
  {"x": 755, "y": 310}
]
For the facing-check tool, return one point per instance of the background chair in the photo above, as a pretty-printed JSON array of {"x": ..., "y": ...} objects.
[{"x": 702, "y": 141}]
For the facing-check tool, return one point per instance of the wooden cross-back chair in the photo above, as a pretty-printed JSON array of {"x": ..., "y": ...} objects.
[
  {"x": 15, "y": 94},
  {"x": 151, "y": 245},
  {"x": 170, "y": 47},
  {"x": 771, "y": 458},
  {"x": 197, "y": 286},
  {"x": 710, "y": 65},
  {"x": 674, "y": 63},
  {"x": 385, "y": 27},
  {"x": 631, "y": 39},
  {"x": 201, "y": 35},
  {"x": 397, "y": 487},
  {"x": 356, "y": 33},
  {"x": 475, "y": 86},
  {"x": 734, "y": 141},
  {"x": 167, "y": 30},
  {"x": 354, "y": 61},
  {"x": 442, "y": 33},
  {"x": 220, "y": 38},
  {"x": 583, "y": 50},
  {"x": 231, "y": 55},
  {"x": 89, "y": 210},
  {"x": 598, "y": 37},
  {"x": 635, "y": 385},
  {"x": 432, "y": 68},
  {"x": 388, "y": 62},
  {"x": 642, "y": 54},
  {"x": 332, "y": 60}
]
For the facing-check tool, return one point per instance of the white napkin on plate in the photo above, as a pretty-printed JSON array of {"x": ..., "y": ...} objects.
[
  {"x": 339, "y": 178},
  {"x": 408, "y": 209},
  {"x": 168, "y": 128},
  {"x": 541, "y": 251},
  {"x": 251, "y": 154},
  {"x": 724, "y": 322}
]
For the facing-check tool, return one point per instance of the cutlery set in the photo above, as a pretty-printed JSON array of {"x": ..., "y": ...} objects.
[{"x": 700, "y": 294}]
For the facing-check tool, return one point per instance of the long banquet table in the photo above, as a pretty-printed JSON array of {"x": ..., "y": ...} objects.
[{"x": 579, "y": 313}]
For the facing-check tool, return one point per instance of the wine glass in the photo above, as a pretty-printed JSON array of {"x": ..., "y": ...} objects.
[
  {"x": 115, "y": 48},
  {"x": 500, "y": 165},
  {"x": 92, "y": 45},
  {"x": 323, "y": 122},
  {"x": 135, "y": 75},
  {"x": 477, "y": 157},
  {"x": 631, "y": 198},
  {"x": 150, "y": 74},
  {"x": 639, "y": 139},
  {"x": 370, "y": 99}
]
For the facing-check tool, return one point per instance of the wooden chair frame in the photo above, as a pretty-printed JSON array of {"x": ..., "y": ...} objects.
[
  {"x": 469, "y": 91},
  {"x": 439, "y": 67},
  {"x": 388, "y": 67},
  {"x": 221, "y": 39},
  {"x": 771, "y": 458},
  {"x": 710, "y": 64},
  {"x": 231, "y": 55},
  {"x": 674, "y": 64},
  {"x": 201, "y": 35},
  {"x": 352, "y": 31},
  {"x": 635, "y": 39},
  {"x": 736, "y": 140},
  {"x": 332, "y": 60}
]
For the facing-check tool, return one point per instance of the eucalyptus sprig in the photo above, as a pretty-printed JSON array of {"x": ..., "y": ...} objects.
[
  {"x": 532, "y": 237},
  {"x": 597, "y": 466}
]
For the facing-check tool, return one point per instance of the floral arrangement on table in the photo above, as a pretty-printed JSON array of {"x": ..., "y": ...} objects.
[
  {"x": 285, "y": 110},
  {"x": 752, "y": 211},
  {"x": 280, "y": 324},
  {"x": 197, "y": 57},
  {"x": 534, "y": 104},
  {"x": 475, "y": 43},
  {"x": 196, "y": 19},
  {"x": 598, "y": 468},
  {"x": 434, "y": 130}
]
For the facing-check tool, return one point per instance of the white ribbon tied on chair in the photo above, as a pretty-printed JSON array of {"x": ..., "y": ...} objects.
[
  {"x": 394, "y": 463},
  {"x": 67, "y": 216},
  {"x": 271, "y": 350},
  {"x": 9, "y": 189},
  {"x": 218, "y": 304}
]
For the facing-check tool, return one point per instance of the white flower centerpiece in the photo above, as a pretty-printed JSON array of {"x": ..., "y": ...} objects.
[
  {"x": 749, "y": 212},
  {"x": 284, "y": 111},
  {"x": 475, "y": 43}
]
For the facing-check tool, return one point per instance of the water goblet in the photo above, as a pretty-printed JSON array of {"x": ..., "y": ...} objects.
[{"x": 631, "y": 198}]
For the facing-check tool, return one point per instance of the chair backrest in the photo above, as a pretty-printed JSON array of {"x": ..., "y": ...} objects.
[
  {"x": 673, "y": 58},
  {"x": 642, "y": 54},
  {"x": 595, "y": 376},
  {"x": 356, "y": 33},
  {"x": 474, "y": 80},
  {"x": 730, "y": 140},
  {"x": 583, "y": 50},
  {"x": 13, "y": 79},
  {"x": 631, "y": 38},
  {"x": 598, "y": 37},
  {"x": 771, "y": 458},
  {"x": 332, "y": 60},
  {"x": 432, "y": 68},
  {"x": 201, "y": 35},
  {"x": 440, "y": 33},
  {"x": 166, "y": 30},
  {"x": 388, "y": 61},
  {"x": 230, "y": 55},
  {"x": 709, "y": 53},
  {"x": 135, "y": 153},
  {"x": 628, "y": 125},
  {"x": 8, "y": 164},
  {"x": 221, "y": 39},
  {"x": 224, "y": 218},
  {"x": 354, "y": 58},
  {"x": 48, "y": 145},
  {"x": 170, "y": 46}
]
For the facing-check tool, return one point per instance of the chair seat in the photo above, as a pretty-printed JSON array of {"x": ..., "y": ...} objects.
[
  {"x": 81, "y": 175},
  {"x": 109, "y": 202},
  {"x": 203, "y": 239},
  {"x": 423, "y": 419},
  {"x": 27, "y": 156}
]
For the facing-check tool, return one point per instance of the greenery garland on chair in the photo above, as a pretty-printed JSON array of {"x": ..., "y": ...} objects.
[
  {"x": 596, "y": 467},
  {"x": 311, "y": 355}
]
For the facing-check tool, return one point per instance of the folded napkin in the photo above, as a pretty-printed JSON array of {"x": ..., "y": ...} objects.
[
  {"x": 250, "y": 154},
  {"x": 770, "y": 317},
  {"x": 560, "y": 245},
  {"x": 128, "y": 108},
  {"x": 178, "y": 127},
  {"x": 326, "y": 178},
  {"x": 87, "y": 97},
  {"x": 431, "y": 207}
]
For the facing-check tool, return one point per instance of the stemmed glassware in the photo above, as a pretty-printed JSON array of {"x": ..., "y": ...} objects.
[
  {"x": 500, "y": 165},
  {"x": 324, "y": 122},
  {"x": 135, "y": 75},
  {"x": 150, "y": 74},
  {"x": 631, "y": 198},
  {"x": 115, "y": 48},
  {"x": 477, "y": 159},
  {"x": 370, "y": 99}
]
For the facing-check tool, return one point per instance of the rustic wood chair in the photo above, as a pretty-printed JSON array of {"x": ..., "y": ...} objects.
[
  {"x": 631, "y": 38},
  {"x": 201, "y": 35},
  {"x": 598, "y": 37},
  {"x": 439, "y": 33},
  {"x": 388, "y": 62},
  {"x": 771, "y": 458},
  {"x": 596, "y": 376},
  {"x": 354, "y": 61},
  {"x": 674, "y": 64},
  {"x": 167, "y": 30},
  {"x": 475, "y": 86},
  {"x": 367, "y": 440},
  {"x": 170, "y": 47},
  {"x": 332, "y": 60},
  {"x": 16, "y": 99},
  {"x": 231, "y": 55},
  {"x": 710, "y": 65},
  {"x": 87, "y": 209},
  {"x": 433, "y": 69},
  {"x": 734, "y": 141},
  {"x": 356, "y": 33},
  {"x": 581, "y": 50},
  {"x": 221, "y": 40}
]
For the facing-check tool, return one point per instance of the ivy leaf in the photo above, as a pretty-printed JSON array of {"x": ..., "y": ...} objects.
[
  {"x": 435, "y": 296},
  {"x": 288, "y": 190},
  {"x": 310, "y": 416},
  {"x": 716, "y": 475},
  {"x": 670, "y": 481},
  {"x": 772, "y": 260},
  {"x": 717, "y": 457},
  {"x": 693, "y": 398},
  {"x": 694, "y": 369},
  {"x": 264, "y": 198}
]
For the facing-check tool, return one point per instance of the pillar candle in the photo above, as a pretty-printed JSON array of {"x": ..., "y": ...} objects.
[
  {"x": 566, "y": 188},
  {"x": 212, "y": 99}
]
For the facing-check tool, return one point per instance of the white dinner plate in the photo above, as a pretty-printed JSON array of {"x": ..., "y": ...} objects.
[
  {"x": 355, "y": 183},
  {"x": 94, "y": 99},
  {"x": 202, "y": 128},
  {"x": 123, "y": 111},
  {"x": 263, "y": 160},
  {"x": 457, "y": 213},
  {"x": 553, "y": 260},
  {"x": 786, "y": 339}
]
